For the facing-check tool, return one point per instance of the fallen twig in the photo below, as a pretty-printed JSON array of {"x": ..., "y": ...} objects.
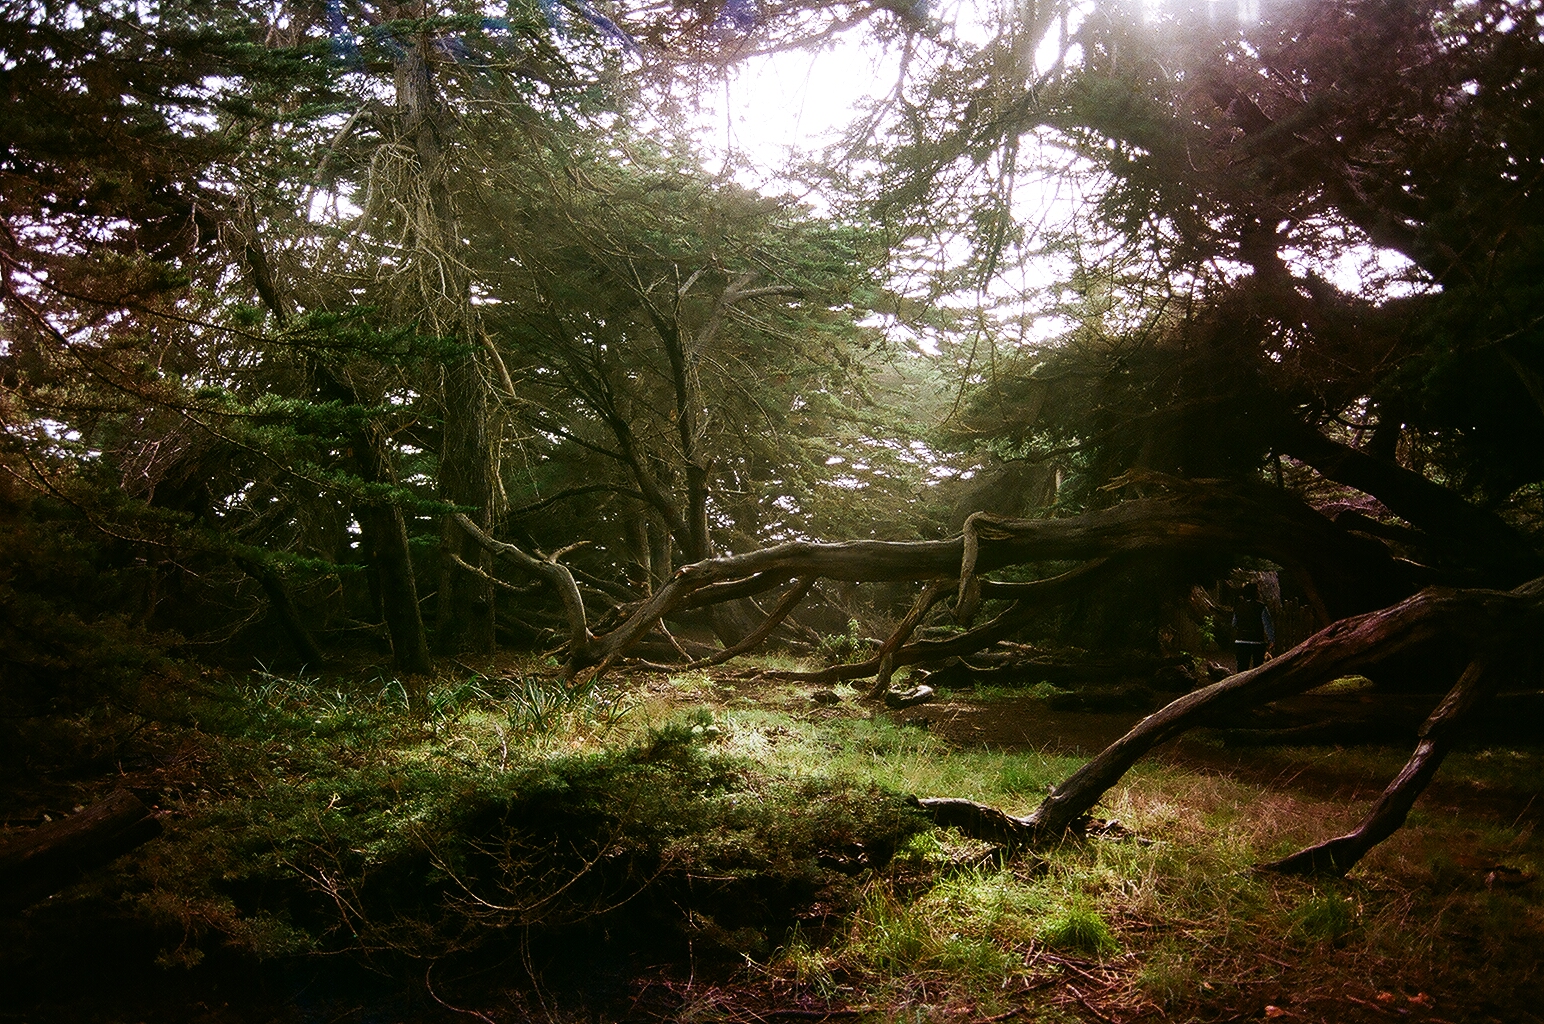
[
  {"x": 1000, "y": 1016},
  {"x": 429, "y": 987},
  {"x": 1098, "y": 1015}
]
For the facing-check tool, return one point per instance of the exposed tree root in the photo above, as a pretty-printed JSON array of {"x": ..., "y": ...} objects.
[{"x": 980, "y": 821}]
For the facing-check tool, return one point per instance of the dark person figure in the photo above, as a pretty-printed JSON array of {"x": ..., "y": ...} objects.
[{"x": 1253, "y": 631}]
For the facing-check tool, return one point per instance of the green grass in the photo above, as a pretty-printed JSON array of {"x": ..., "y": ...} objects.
[
  {"x": 767, "y": 841},
  {"x": 1079, "y": 930}
]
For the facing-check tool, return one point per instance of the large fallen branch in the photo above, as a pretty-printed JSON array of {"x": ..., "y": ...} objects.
[
  {"x": 1475, "y": 620},
  {"x": 1354, "y": 572},
  {"x": 1337, "y": 856}
]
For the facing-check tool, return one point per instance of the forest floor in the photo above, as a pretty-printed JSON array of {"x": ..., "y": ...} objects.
[{"x": 1158, "y": 916}]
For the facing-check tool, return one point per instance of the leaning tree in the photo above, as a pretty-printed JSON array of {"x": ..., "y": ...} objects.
[{"x": 1222, "y": 390}]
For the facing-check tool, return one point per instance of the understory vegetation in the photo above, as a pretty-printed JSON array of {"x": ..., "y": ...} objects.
[{"x": 712, "y": 847}]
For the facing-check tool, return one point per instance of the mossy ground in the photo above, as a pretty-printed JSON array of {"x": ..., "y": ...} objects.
[{"x": 697, "y": 847}]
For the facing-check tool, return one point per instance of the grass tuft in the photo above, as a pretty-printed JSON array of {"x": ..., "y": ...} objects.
[{"x": 1079, "y": 930}]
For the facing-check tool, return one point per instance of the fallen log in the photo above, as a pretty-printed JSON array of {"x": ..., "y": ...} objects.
[{"x": 54, "y": 855}]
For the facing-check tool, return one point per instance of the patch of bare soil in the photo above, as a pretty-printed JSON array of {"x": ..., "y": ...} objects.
[{"x": 1013, "y": 723}]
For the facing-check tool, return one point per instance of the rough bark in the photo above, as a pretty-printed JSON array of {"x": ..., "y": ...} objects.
[
  {"x": 1352, "y": 573},
  {"x": 465, "y": 610},
  {"x": 735, "y": 590},
  {"x": 55, "y": 854},
  {"x": 979, "y": 821},
  {"x": 870, "y": 561},
  {"x": 385, "y": 530}
]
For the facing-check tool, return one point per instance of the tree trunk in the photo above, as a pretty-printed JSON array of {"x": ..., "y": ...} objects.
[
  {"x": 386, "y": 532},
  {"x": 931, "y": 595},
  {"x": 283, "y": 607},
  {"x": 553, "y": 572},
  {"x": 1352, "y": 572},
  {"x": 465, "y": 606}
]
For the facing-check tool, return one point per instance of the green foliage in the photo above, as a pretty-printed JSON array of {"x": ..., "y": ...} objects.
[
  {"x": 541, "y": 705},
  {"x": 73, "y": 656},
  {"x": 1327, "y": 917},
  {"x": 355, "y": 831},
  {"x": 1080, "y": 930},
  {"x": 845, "y": 648}
]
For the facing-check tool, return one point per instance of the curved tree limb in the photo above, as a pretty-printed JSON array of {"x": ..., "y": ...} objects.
[
  {"x": 789, "y": 602},
  {"x": 555, "y": 573},
  {"x": 734, "y": 590},
  {"x": 931, "y": 595},
  {"x": 853, "y": 560},
  {"x": 504, "y": 585},
  {"x": 1339, "y": 855},
  {"x": 1472, "y": 618},
  {"x": 1476, "y": 535}
]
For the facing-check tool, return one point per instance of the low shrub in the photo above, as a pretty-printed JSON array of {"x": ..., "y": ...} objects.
[{"x": 336, "y": 841}]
